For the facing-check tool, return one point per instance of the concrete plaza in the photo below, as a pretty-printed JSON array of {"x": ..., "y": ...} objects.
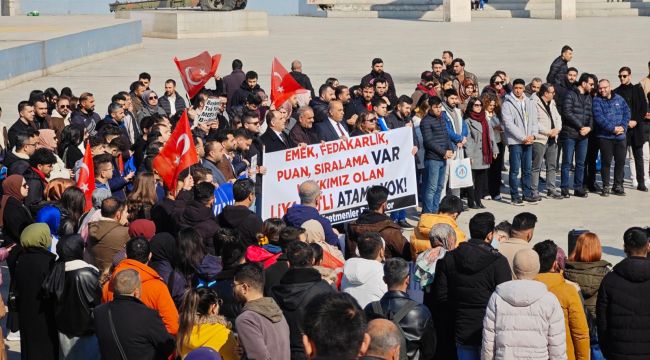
[{"x": 343, "y": 48}]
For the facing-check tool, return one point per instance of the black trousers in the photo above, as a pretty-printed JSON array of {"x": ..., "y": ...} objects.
[
  {"x": 494, "y": 172},
  {"x": 590, "y": 161},
  {"x": 615, "y": 149},
  {"x": 475, "y": 193}
]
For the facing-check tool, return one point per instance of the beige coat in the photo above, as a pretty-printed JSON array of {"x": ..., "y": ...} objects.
[
  {"x": 544, "y": 119},
  {"x": 510, "y": 247},
  {"x": 523, "y": 320}
]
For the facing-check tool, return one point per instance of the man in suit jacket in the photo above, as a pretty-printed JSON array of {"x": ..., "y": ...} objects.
[
  {"x": 333, "y": 128},
  {"x": 274, "y": 138}
]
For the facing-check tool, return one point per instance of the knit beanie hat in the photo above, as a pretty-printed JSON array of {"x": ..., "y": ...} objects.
[{"x": 526, "y": 264}]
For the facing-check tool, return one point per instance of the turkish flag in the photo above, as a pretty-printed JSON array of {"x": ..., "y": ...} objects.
[
  {"x": 196, "y": 71},
  {"x": 283, "y": 85},
  {"x": 177, "y": 155},
  {"x": 86, "y": 177}
]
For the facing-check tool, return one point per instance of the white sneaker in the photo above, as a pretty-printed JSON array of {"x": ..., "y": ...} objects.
[
  {"x": 635, "y": 183},
  {"x": 13, "y": 336},
  {"x": 647, "y": 182},
  {"x": 487, "y": 197}
]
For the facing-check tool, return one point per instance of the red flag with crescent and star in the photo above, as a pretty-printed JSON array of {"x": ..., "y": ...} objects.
[
  {"x": 178, "y": 154},
  {"x": 283, "y": 85},
  {"x": 86, "y": 177},
  {"x": 196, "y": 71}
]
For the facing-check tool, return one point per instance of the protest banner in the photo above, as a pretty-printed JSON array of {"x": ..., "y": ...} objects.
[
  {"x": 344, "y": 170},
  {"x": 210, "y": 111}
]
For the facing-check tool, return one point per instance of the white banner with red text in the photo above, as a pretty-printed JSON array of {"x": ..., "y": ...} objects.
[{"x": 344, "y": 170}]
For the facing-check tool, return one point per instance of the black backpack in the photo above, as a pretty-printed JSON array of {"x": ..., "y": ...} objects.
[{"x": 401, "y": 314}]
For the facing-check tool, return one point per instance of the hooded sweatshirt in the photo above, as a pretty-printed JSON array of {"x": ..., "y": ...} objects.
[
  {"x": 263, "y": 330},
  {"x": 523, "y": 320},
  {"x": 155, "y": 294},
  {"x": 363, "y": 279},
  {"x": 245, "y": 222}
]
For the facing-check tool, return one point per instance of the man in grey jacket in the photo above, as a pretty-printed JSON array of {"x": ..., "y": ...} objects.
[
  {"x": 545, "y": 145},
  {"x": 519, "y": 116},
  {"x": 263, "y": 331}
]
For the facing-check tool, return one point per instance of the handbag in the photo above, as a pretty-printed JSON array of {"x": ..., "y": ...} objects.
[{"x": 460, "y": 172}]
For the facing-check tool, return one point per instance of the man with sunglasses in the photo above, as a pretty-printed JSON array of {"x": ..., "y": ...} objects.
[
  {"x": 62, "y": 109},
  {"x": 638, "y": 127}
]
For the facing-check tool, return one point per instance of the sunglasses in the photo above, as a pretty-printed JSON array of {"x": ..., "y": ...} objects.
[
  {"x": 372, "y": 120},
  {"x": 498, "y": 83},
  {"x": 153, "y": 97},
  {"x": 623, "y": 76},
  {"x": 64, "y": 106}
]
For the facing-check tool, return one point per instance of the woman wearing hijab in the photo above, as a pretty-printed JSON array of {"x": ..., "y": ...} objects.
[
  {"x": 163, "y": 260},
  {"x": 481, "y": 149},
  {"x": 14, "y": 216},
  {"x": 73, "y": 285},
  {"x": 150, "y": 106},
  {"x": 47, "y": 139},
  {"x": 38, "y": 334}
]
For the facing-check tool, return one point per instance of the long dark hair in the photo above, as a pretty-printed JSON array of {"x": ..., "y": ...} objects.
[
  {"x": 71, "y": 135},
  {"x": 195, "y": 307},
  {"x": 271, "y": 228},
  {"x": 144, "y": 194},
  {"x": 191, "y": 251},
  {"x": 73, "y": 201}
]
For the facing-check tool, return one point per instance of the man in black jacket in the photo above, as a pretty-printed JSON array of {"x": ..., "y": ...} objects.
[
  {"x": 622, "y": 318},
  {"x": 637, "y": 130},
  {"x": 437, "y": 149},
  {"x": 238, "y": 217},
  {"x": 126, "y": 324},
  {"x": 559, "y": 67},
  {"x": 414, "y": 319},
  {"x": 25, "y": 123},
  {"x": 465, "y": 279},
  {"x": 298, "y": 287},
  {"x": 248, "y": 86},
  {"x": 320, "y": 105},
  {"x": 17, "y": 160},
  {"x": 274, "y": 138},
  {"x": 301, "y": 78},
  {"x": 171, "y": 101},
  {"x": 40, "y": 167},
  {"x": 379, "y": 73},
  {"x": 198, "y": 215},
  {"x": 577, "y": 123},
  {"x": 563, "y": 87}
]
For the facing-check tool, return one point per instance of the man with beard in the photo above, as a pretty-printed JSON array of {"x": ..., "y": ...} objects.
[
  {"x": 302, "y": 132},
  {"x": 447, "y": 58},
  {"x": 458, "y": 66},
  {"x": 86, "y": 114},
  {"x": 24, "y": 123},
  {"x": 566, "y": 85},
  {"x": 321, "y": 103},
  {"x": 637, "y": 132},
  {"x": 213, "y": 156},
  {"x": 227, "y": 140},
  {"x": 249, "y": 86},
  {"x": 41, "y": 118},
  {"x": 62, "y": 109},
  {"x": 381, "y": 92},
  {"x": 378, "y": 73},
  {"x": 171, "y": 101},
  {"x": 559, "y": 67},
  {"x": 437, "y": 68},
  {"x": 342, "y": 94},
  {"x": 425, "y": 86},
  {"x": 364, "y": 103}
]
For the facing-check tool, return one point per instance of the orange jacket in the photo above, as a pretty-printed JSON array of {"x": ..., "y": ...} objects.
[
  {"x": 575, "y": 319},
  {"x": 420, "y": 237},
  {"x": 155, "y": 294}
]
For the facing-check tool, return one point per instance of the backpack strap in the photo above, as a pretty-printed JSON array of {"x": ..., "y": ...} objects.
[
  {"x": 401, "y": 314},
  {"x": 376, "y": 307}
]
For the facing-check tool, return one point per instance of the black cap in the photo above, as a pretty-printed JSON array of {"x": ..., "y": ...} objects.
[{"x": 427, "y": 76}]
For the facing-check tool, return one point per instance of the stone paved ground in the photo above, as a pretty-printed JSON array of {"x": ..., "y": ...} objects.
[{"x": 344, "y": 47}]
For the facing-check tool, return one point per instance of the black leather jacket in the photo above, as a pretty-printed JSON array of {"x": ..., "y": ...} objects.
[
  {"x": 417, "y": 325},
  {"x": 81, "y": 294}
]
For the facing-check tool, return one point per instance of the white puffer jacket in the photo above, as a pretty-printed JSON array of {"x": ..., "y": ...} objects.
[{"x": 523, "y": 321}]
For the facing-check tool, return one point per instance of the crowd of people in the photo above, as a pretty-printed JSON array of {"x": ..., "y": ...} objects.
[{"x": 142, "y": 269}]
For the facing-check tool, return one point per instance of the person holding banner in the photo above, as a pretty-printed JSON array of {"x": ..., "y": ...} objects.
[
  {"x": 438, "y": 149},
  {"x": 274, "y": 138},
  {"x": 366, "y": 124},
  {"x": 333, "y": 128},
  {"x": 303, "y": 131}
]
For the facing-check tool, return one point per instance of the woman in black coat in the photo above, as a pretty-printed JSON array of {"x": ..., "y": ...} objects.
[{"x": 38, "y": 334}]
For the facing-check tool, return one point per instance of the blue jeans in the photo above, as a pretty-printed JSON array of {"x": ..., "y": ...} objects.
[
  {"x": 466, "y": 352},
  {"x": 521, "y": 158},
  {"x": 435, "y": 181},
  {"x": 569, "y": 147}
]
